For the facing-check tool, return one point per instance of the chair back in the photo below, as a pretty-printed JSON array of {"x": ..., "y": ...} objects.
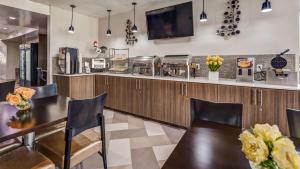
[
  {"x": 294, "y": 122},
  {"x": 5, "y": 88},
  {"x": 83, "y": 115},
  {"x": 222, "y": 113},
  {"x": 45, "y": 91}
]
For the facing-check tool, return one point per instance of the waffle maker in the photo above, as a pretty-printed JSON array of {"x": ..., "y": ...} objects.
[{"x": 278, "y": 63}]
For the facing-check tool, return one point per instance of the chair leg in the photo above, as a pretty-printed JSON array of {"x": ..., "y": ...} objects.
[
  {"x": 103, "y": 140},
  {"x": 81, "y": 165}
]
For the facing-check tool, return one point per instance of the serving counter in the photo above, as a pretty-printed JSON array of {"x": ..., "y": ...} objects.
[{"x": 168, "y": 99}]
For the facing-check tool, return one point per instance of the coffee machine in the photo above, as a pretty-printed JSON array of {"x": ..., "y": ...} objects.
[
  {"x": 68, "y": 60},
  {"x": 245, "y": 69}
]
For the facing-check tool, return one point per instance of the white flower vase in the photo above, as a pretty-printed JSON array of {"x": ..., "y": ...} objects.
[{"x": 214, "y": 76}]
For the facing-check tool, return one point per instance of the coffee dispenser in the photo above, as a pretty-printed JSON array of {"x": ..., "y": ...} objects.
[{"x": 245, "y": 69}]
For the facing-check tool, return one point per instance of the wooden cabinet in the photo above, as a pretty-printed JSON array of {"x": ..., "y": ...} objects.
[
  {"x": 230, "y": 94},
  {"x": 123, "y": 94},
  {"x": 169, "y": 101},
  {"x": 76, "y": 87},
  {"x": 182, "y": 116},
  {"x": 141, "y": 97},
  {"x": 203, "y": 91},
  {"x": 106, "y": 84}
]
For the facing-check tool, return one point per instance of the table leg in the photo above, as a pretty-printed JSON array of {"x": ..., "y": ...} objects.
[{"x": 29, "y": 140}]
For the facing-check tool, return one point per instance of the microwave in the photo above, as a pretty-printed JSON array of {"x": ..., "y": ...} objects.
[{"x": 99, "y": 64}]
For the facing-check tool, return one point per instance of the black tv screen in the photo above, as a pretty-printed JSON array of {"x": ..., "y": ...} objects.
[{"x": 170, "y": 22}]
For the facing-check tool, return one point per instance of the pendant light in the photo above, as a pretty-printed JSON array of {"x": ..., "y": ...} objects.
[
  {"x": 203, "y": 16},
  {"x": 71, "y": 28},
  {"x": 108, "y": 32},
  {"x": 266, "y": 6},
  {"x": 134, "y": 28}
]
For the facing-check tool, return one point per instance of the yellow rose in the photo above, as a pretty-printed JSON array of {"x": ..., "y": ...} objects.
[
  {"x": 207, "y": 63},
  {"x": 267, "y": 132},
  {"x": 26, "y": 93},
  {"x": 254, "y": 148},
  {"x": 210, "y": 62},
  {"x": 220, "y": 63},
  {"x": 13, "y": 99},
  {"x": 285, "y": 155}
]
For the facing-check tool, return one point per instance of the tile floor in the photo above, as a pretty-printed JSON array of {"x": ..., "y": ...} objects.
[{"x": 133, "y": 143}]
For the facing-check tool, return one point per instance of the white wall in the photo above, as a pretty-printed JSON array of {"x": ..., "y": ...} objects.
[
  {"x": 13, "y": 54},
  {"x": 267, "y": 33},
  {"x": 86, "y": 32}
]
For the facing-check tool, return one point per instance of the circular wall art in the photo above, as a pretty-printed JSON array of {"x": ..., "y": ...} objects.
[
  {"x": 229, "y": 27},
  {"x": 130, "y": 36}
]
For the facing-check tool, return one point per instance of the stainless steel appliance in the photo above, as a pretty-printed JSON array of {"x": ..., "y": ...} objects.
[
  {"x": 245, "y": 69},
  {"x": 28, "y": 64},
  {"x": 176, "y": 66},
  {"x": 278, "y": 75},
  {"x": 119, "y": 60},
  {"x": 146, "y": 65},
  {"x": 100, "y": 64},
  {"x": 68, "y": 60}
]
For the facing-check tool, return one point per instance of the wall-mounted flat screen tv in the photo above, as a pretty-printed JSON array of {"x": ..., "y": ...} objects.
[{"x": 171, "y": 22}]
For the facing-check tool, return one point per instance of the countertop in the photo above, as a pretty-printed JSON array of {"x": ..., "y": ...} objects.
[
  {"x": 6, "y": 80},
  {"x": 232, "y": 82}
]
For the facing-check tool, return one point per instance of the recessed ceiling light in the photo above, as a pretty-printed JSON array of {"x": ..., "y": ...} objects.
[
  {"x": 12, "y": 18},
  {"x": 5, "y": 28}
]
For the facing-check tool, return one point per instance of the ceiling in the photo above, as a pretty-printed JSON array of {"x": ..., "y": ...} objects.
[
  {"x": 25, "y": 22},
  {"x": 97, "y": 8}
]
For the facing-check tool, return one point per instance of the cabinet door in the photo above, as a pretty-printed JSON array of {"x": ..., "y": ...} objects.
[
  {"x": 123, "y": 94},
  {"x": 63, "y": 85},
  {"x": 250, "y": 107},
  {"x": 146, "y": 95},
  {"x": 202, "y": 91},
  {"x": 100, "y": 84},
  {"x": 136, "y": 104},
  {"x": 111, "y": 92},
  {"x": 158, "y": 100},
  {"x": 82, "y": 87},
  {"x": 182, "y": 103}
]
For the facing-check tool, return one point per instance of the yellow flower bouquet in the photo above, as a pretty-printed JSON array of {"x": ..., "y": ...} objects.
[
  {"x": 266, "y": 148},
  {"x": 214, "y": 63},
  {"x": 20, "y": 98}
]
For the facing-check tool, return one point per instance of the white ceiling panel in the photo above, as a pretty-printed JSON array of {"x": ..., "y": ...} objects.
[{"x": 97, "y": 8}]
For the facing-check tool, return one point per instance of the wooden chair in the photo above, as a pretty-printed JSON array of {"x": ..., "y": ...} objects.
[
  {"x": 5, "y": 88},
  {"x": 23, "y": 158},
  {"x": 9, "y": 145},
  {"x": 45, "y": 91},
  {"x": 42, "y": 92},
  {"x": 79, "y": 141},
  {"x": 293, "y": 117},
  {"x": 222, "y": 113}
]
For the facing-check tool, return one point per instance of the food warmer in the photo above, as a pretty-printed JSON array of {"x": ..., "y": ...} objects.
[
  {"x": 176, "y": 66},
  {"x": 146, "y": 65}
]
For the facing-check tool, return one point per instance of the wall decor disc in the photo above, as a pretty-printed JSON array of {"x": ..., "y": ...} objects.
[
  {"x": 130, "y": 37},
  {"x": 232, "y": 17}
]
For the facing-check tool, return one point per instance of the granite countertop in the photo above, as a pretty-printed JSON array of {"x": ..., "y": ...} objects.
[{"x": 232, "y": 82}]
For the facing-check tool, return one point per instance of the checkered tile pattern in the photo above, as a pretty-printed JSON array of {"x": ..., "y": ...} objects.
[{"x": 133, "y": 143}]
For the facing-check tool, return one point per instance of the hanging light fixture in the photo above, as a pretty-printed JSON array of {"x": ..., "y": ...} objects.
[
  {"x": 71, "y": 28},
  {"x": 134, "y": 28},
  {"x": 108, "y": 32},
  {"x": 266, "y": 7},
  {"x": 203, "y": 16}
]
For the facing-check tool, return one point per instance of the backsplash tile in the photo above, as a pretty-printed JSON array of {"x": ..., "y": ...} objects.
[{"x": 228, "y": 69}]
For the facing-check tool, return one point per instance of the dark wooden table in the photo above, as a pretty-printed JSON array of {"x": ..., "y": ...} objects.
[
  {"x": 45, "y": 112},
  {"x": 210, "y": 146}
]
